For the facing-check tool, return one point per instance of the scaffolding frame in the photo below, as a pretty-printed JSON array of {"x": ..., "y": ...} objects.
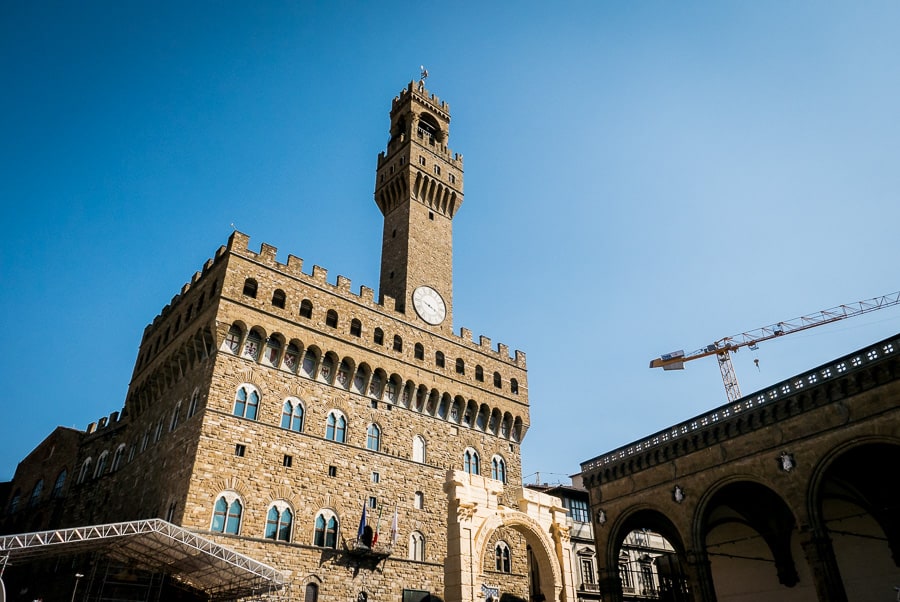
[{"x": 157, "y": 546}]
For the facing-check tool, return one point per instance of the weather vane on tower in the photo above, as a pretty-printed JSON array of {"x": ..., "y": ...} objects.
[{"x": 423, "y": 76}]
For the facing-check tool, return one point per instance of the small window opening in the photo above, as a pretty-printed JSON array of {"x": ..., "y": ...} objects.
[{"x": 239, "y": 450}]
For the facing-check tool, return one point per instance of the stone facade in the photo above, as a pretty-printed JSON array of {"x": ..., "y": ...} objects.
[
  {"x": 262, "y": 386},
  {"x": 785, "y": 495}
]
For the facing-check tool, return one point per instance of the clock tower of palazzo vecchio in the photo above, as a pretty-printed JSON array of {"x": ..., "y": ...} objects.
[
  {"x": 271, "y": 406},
  {"x": 419, "y": 189}
]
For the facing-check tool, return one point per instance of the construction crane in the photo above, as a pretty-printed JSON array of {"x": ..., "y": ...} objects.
[{"x": 723, "y": 348}]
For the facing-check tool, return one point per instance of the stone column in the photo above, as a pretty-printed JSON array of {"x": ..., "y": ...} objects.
[
  {"x": 700, "y": 579},
  {"x": 823, "y": 564},
  {"x": 610, "y": 585}
]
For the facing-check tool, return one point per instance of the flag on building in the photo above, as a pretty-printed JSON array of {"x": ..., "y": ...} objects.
[
  {"x": 394, "y": 528},
  {"x": 362, "y": 525},
  {"x": 377, "y": 526}
]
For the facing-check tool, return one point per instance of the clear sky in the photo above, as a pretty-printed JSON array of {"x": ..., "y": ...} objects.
[{"x": 640, "y": 177}]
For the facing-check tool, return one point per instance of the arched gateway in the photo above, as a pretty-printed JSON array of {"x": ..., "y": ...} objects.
[{"x": 479, "y": 508}]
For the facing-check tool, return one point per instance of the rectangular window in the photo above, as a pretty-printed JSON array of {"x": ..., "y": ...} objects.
[
  {"x": 373, "y": 502},
  {"x": 332, "y": 471},
  {"x": 376, "y": 477},
  {"x": 240, "y": 449},
  {"x": 437, "y": 170},
  {"x": 374, "y": 404},
  {"x": 452, "y": 179},
  {"x": 587, "y": 571},
  {"x": 421, "y": 160},
  {"x": 578, "y": 509},
  {"x": 288, "y": 460}
]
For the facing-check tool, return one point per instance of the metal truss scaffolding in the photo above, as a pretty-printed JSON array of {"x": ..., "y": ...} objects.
[{"x": 157, "y": 546}]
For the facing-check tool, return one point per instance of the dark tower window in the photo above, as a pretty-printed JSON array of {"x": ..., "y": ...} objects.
[
  {"x": 355, "y": 327},
  {"x": 306, "y": 308},
  {"x": 497, "y": 381},
  {"x": 439, "y": 359},
  {"x": 479, "y": 374},
  {"x": 250, "y": 287},
  {"x": 514, "y": 386},
  {"x": 278, "y": 298},
  {"x": 379, "y": 336},
  {"x": 460, "y": 366},
  {"x": 331, "y": 319},
  {"x": 398, "y": 343},
  {"x": 419, "y": 352}
]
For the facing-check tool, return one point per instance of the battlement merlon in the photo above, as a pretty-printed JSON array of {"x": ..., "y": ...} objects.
[{"x": 414, "y": 91}]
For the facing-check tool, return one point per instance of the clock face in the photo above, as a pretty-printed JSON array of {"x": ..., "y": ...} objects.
[{"x": 429, "y": 305}]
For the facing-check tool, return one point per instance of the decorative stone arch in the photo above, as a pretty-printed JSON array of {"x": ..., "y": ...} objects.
[{"x": 477, "y": 512}]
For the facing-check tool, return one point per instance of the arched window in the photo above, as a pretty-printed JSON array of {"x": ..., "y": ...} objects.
[
  {"x": 355, "y": 327},
  {"x": 279, "y": 298},
  {"x": 418, "y": 449},
  {"x": 278, "y": 522},
  {"x": 419, "y": 500},
  {"x": 306, "y": 308},
  {"x": 460, "y": 366},
  {"x": 117, "y": 458},
  {"x": 439, "y": 359},
  {"x": 501, "y": 557},
  {"x": 59, "y": 484},
  {"x": 292, "y": 415},
  {"x": 419, "y": 351},
  {"x": 233, "y": 339},
  {"x": 251, "y": 345},
  {"x": 498, "y": 469},
  {"x": 173, "y": 424},
  {"x": 336, "y": 427},
  {"x": 14, "y": 501},
  {"x": 273, "y": 351},
  {"x": 471, "y": 462},
  {"x": 36, "y": 493},
  {"x": 416, "y": 546},
  {"x": 497, "y": 381},
  {"x": 101, "y": 464},
  {"x": 192, "y": 407},
  {"x": 479, "y": 374},
  {"x": 513, "y": 386},
  {"x": 378, "y": 336},
  {"x": 331, "y": 319},
  {"x": 312, "y": 593},
  {"x": 246, "y": 402},
  {"x": 373, "y": 438},
  {"x": 398, "y": 343},
  {"x": 326, "y": 530},
  {"x": 250, "y": 287},
  {"x": 227, "y": 514}
]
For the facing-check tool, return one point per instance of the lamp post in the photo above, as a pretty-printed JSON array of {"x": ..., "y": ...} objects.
[{"x": 75, "y": 589}]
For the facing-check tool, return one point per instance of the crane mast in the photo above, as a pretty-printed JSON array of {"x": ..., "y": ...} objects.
[{"x": 723, "y": 348}]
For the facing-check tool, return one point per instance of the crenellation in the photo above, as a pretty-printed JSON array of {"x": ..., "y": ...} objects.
[
  {"x": 503, "y": 350},
  {"x": 520, "y": 358},
  {"x": 466, "y": 335},
  {"x": 343, "y": 284},
  {"x": 320, "y": 274},
  {"x": 267, "y": 254},
  {"x": 367, "y": 294},
  {"x": 484, "y": 342},
  {"x": 294, "y": 265}
]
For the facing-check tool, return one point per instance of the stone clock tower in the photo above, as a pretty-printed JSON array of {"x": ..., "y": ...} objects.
[{"x": 419, "y": 188}]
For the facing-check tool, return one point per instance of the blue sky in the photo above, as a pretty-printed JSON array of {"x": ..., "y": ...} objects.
[{"x": 640, "y": 177}]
